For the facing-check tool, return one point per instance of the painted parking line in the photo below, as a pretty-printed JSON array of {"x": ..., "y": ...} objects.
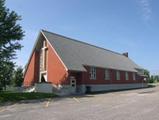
[
  {"x": 47, "y": 103},
  {"x": 2, "y": 110},
  {"x": 4, "y": 116},
  {"x": 76, "y": 99}
]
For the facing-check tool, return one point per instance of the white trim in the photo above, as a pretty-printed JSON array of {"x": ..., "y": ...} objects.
[
  {"x": 43, "y": 72},
  {"x": 55, "y": 52},
  {"x": 44, "y": 48},
  {"x": 43, "y": 60},
  {"x": 92, "y": 73}
]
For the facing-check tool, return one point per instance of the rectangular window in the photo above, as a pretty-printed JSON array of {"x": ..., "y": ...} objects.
[
  {"x": 126, "y": 75},
  {"x": 107, "y": 74},
  {"x": 117, "y": 75},
  {"x": 134, "y": 76},
  {"x": 92, "y": 73}
]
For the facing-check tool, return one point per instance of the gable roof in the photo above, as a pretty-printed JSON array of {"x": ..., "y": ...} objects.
[{"x": 75, "y": 54}]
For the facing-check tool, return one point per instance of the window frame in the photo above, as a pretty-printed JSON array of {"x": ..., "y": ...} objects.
[
  {"x": 93, "y": 73},
  {"x": 107, "y": 75},
  {"x": 134, "y": 76},
  {"x": 118, "y": 75},
  {"x": 126, "y": 75}
]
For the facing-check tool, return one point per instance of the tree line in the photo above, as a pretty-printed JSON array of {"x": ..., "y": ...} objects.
[{"x": 151, "y": 78}]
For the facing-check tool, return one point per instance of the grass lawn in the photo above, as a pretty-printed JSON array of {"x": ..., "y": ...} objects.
[{"x": 15, "y": 97}]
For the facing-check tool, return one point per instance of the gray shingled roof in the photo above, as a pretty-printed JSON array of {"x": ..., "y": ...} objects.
[{"x": 76, "y": 54}]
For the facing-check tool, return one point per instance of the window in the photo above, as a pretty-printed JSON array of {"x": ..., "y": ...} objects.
[
  {"x": 107, "y": 74},
  {"x": 117, "y": 75},
  {"x": 134, "y": 76},
  {"x": 126, "y": 75},
  {"x": 92, "y": 73}
]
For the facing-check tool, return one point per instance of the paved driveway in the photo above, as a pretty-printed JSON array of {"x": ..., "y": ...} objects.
[{"x": 141, "y": 104}]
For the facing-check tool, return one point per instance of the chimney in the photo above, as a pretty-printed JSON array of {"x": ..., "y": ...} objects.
[{"x": 126, "y": 54}]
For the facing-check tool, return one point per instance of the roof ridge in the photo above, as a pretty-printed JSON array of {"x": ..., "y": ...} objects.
[{"x": 82, "y": 42}]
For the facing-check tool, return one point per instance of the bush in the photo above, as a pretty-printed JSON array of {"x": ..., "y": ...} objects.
[{"x": 153, "y": 79}]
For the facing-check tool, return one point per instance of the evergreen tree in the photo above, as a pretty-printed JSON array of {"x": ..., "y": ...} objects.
[
  {"x": 17, "y": 80},
  {"x": 10, "y": 35}
]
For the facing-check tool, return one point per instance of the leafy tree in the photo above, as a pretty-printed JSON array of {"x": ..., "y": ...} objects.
[
  {"x": 10, "y": 35},
  {"x": 18, "y": 77},
  {"x": 154, "y": 78},
  {"x": 151, "y": 80},
  {"x": 147, "y": 73}
]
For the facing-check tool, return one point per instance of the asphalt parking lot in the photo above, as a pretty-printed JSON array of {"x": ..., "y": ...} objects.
[{"x": 140, "y": 104}]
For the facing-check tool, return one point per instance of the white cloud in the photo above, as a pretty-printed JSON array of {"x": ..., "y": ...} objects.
[{"x": 146, "y": 9}]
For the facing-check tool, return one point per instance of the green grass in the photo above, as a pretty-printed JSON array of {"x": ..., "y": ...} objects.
[{"x": 15, "y": 97}]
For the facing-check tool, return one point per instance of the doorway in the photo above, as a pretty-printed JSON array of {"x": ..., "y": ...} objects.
[
  {"x": 73, "y": 83},
  {"x": 43, "y": 77}
]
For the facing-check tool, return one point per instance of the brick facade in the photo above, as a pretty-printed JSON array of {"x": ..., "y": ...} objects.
[
  {"x": 32, "y": 73},
  {"x": 100, "y": 77},
  {"x": 56, "y": 72}
]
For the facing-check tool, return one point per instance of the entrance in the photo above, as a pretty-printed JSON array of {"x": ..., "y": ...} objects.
[
  {"x": 43, "y": 77},
  {"x": 73, "y": 83}
]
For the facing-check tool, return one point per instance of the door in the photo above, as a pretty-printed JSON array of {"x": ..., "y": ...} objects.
[{"x": 73, "y": 84}]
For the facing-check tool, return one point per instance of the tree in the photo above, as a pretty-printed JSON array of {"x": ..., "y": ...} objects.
[
  {"x": 147, "y": 73},
  {"x": 7, "y": 73},
  {"x": 151, "y": 80},
  {"x": 10, "y": 35},
  {"x": 18, "y": 77}
]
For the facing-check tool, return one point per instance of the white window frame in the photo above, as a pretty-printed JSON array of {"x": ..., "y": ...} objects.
[
  {"x": 117, "y": 75},
  {"x": 107, "y": 74},
  {"x": 134, "y": 76},
  {"x": 126, "y": 76},
  {"x": 92, "y": 73}
]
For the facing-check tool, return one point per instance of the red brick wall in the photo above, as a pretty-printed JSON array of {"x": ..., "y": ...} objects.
[
  {"x": 31, "y": 76},
  {"x": 100, "y": 74},
  {"x": 56, "y": 71}
]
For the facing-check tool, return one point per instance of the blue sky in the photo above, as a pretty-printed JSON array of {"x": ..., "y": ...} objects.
[{"x": 118, "y": 25}]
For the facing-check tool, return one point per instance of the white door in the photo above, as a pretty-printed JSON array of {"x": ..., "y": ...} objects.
[
  {"x": 73, "y": 84},
  {"x": 73, "y": 81}
]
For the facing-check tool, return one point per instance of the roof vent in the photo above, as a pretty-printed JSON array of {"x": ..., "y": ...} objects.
[{"x": 126, "y": 54}]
